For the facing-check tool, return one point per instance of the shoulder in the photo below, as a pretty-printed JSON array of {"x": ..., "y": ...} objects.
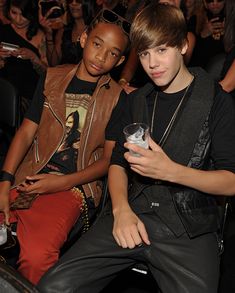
[
  {"x": 223, "y": 108},
  {"x": 62, "y": 70},
  {"x": 223, "y": 98},
  {"x": 142, "y": 91},
  {"x": 61, "y": 73}
]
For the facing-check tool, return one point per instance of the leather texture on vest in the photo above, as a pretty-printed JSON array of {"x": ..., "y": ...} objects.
[
  {"x": 51, "y": 129},
  {"x": 198, "y": 211}
]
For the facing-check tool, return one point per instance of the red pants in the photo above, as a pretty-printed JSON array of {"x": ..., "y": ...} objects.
[{"x": 42, "y": 230}]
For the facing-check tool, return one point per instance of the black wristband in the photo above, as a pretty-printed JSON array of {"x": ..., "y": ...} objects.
[{"x": 5, "y": 176}]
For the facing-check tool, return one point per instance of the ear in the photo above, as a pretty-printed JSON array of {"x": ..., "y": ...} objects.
[
  {"x": 120, "y": 61},
  {"x": 83, "y": 39},
  {"x": 184, "y": 48}
]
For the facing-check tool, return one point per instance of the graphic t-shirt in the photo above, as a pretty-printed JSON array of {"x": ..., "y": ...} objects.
[{"x": 77, "y": 98}]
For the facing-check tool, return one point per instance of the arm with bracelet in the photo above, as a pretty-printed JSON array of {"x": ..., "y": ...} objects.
[{"x": 17, "y": 150}]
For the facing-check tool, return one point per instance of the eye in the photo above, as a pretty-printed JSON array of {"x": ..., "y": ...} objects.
[
  {"x": 96, "y": 44},
  {"x": 143, "y": 54},
  {"x": 114, "y": 54},
  {"x": 161, "y": 50}
]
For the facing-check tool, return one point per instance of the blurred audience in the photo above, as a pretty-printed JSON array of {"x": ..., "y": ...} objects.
[
  {"x": 228, "y": 70},
  {"x": 23, "y": 65},
  {"x": 3, "y": 18},
  {"x": 209, "y": 30},
  {"x": 64, "y": 47}
]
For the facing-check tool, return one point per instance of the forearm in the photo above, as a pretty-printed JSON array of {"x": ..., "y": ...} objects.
[
  {"x": 19, "y": 146},
  {"x": 91, "y": 173},
  {"x": 228, "y": 83},
  {"x": 217, "y": 182},
  {"x": 118, "y": 188},
  {"x": 53, "y": 54}
]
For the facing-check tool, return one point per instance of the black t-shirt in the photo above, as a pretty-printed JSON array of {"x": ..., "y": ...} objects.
[
  {"x": 229, "y": 59},
  {"x": 64, "y": 160},
  {"x": 221, "y": 126}
]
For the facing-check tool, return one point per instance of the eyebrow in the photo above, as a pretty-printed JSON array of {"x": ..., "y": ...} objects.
[{"x": 97, "y": 37}]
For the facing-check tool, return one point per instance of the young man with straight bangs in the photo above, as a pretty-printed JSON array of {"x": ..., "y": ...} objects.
[{"x": 163, "y": 210}]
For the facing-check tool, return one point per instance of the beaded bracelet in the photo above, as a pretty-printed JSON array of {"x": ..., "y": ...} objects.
[{"x": 6, "y": 176}]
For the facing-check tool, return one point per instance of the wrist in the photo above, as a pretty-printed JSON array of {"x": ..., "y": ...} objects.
[{"x": 6, "y": 176}]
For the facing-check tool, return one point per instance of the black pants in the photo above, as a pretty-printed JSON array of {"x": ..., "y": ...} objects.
[
  {"x": 227, "y": 280},
  {"x": 179, "y": 265}
]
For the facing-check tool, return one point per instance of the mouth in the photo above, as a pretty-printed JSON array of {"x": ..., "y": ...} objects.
[
  {"x": 157, "y": 74},
  {"x": 75, "y": 10},
  {"x": 96, "y": 66}
]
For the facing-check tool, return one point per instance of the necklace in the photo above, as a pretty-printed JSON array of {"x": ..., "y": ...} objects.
[{"x": 170, "y": 124}]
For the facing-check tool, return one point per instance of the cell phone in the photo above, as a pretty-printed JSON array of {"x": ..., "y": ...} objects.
[
  {"x": 56, "y": 9},
  {"x": 9, "y": 46},
  {"x": 211, "y": 16}
]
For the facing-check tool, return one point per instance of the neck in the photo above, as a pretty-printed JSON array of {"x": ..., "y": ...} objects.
[
  {"x": 79, "y": 25},
  {"x": 84, "y": 75},
  {"x": 179, "y": 82},
  {"x": 21, "y": 30}
]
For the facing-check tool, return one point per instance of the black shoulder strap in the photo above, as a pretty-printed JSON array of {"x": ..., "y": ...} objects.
[{"x": 191, "y": 119}]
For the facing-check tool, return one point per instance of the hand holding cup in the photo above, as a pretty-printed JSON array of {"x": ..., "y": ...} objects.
[{"x": 137, "y": 133}]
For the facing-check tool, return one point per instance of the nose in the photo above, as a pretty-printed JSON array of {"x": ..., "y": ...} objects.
[
  {"x": 101, "y": 56},
  {"x": 153, "y": 61}
]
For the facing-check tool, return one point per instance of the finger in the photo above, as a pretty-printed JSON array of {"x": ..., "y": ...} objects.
[
  {"x": 143, "y": 233},
  {"x": 117, "y": 240},
  {"x": 140, "y": 172},
  {"x": 153, "y": 145},
  {"x": 27, "y": 189},
  {"x": 137, "y": 240},
  {"x": 35, "y": 177},
  {"x": 135, "y": 148},
  {"x": 123, "y": 242},
  {"x": 120, "y": 240}
]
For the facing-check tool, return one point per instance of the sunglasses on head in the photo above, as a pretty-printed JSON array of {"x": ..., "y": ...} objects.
[
  {"x": 109, "y": 16},
  {"x": 76, "y": 1},
  {"x": 210, "y": 1}
]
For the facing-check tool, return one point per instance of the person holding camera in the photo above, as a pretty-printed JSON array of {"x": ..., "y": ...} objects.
[
  {"x": 209, "y": 31},
  {"x": 23, "y": 65},
  {"x": 63, "y": 44}
]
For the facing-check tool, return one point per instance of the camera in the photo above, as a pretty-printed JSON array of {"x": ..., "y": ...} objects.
[
  {"x": 9, "y": 46},
  {"x": 54, "y": 6},
  {"x": 220, "y": 16}
]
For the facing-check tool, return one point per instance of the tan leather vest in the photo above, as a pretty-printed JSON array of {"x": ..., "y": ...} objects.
[{"x": 51, "y": 130}]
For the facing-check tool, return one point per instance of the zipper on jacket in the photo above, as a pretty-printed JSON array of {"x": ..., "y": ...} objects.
[
  {"x": 37, "y": 153},
  {"x": 36, "y": 150}
]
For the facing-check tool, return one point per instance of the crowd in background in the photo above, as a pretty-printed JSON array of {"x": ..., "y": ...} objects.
[
  {"x": 47, "y": 33},
  {"x": 49, "y": 36}
]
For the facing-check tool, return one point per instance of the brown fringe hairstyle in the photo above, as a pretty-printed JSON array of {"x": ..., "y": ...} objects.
[{"x": 158, "y": 24}]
